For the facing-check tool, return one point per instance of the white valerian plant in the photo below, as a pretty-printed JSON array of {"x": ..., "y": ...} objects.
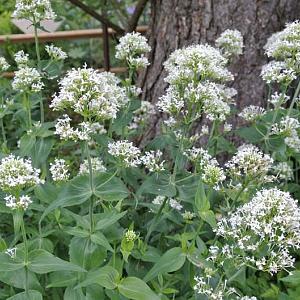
[
  {"x": 132, "y": 48},
  {"x": 262, "y": 233},
  {"x": 125, "y": 152},
  {"x": 284, "y": 171},
  {"x": 34, "y": 10},
  {"x": 231, "y": 42},
  {"x": 142, "y": 115},
  {"x": 56, "y": 53},
  {"x": 21, "y": 58},
  {"x": 96, "y": 163},
  {"x": 59, "y": 170}
]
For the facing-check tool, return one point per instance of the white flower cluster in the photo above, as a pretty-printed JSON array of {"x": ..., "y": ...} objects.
[
  {"x": 231, "y": 42},
  {"x": 249, "y": 162},
  {"x": 198, "y": 155},
  {"x": 285, "y": 45},
  {"x": 204, "y": 286},
  {"x": 130, "y": 235},
  {"x": 64, "y": 129},
  {"x": 252, "y": 113},
  {"x": 33, "y": 10},
  {"x": 21, "y": 58},
  {"x": 195, "y": 75},
  {"x": 17, "y": 173},
  {"x": 27, "y": 80},
  {"x": 97, "y": 166},
  {"x": 188, "y": 215},
  {"x": 59, "y": 170},
  {"x": 22, "y": 202},
  {"x": 152, "y": 161},
  {"x": 90, "y": 94},
  {"x": 56, "y": 53},
  {"x": 142, "y": 115},
  {"x": 277, "y": 99},
  {"x": 262, "y": 232},
  {"x": 288, "y": 127},
  {"x": 132, "y": 48},
  {"x": 125, "y": 152},
  {"x": 213, "y": 175},
  {"x": 12, "y": 252},
  {"x": 278, "y": 71},
  {"x": 158, "y": 200},
  {"x": 4, "y": 65},
  {"x": 284, "y": 171}
]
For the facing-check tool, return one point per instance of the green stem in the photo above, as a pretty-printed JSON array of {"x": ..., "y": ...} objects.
[
  {"x": 154, "y": 222},
  {"x": 3, "y": 131},
  {"x": 91, "y": 177},
  {"x": 28, "y": 109},
  {"x": 36, "y": 40},
  {"x": 294, "y": 98},
  {"x": 23, "y": 230}
]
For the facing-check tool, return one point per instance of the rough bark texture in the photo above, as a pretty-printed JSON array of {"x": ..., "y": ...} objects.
[{"x": 177, "y": 23}]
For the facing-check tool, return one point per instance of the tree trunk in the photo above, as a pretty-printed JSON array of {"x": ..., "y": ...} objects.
[{"x": 178, "y": 23}]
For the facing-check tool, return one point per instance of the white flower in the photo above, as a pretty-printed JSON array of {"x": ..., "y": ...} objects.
[
  {"x": 132, "y": 47},
  {"x": 97, "y": 166},
  {"x": 175, "y": 204},
  {"x": 199, "y": 155},
  {"x": 27, "y": 80},
  {"x": 90, "y": 93},
  {"x": 158, "y": 200},
  {"x": 188, "y": 215},
  {"x": 4, "y": 65},
  {"x": 33, "y": 10},
  {"x": 11, "y": 252},
  {"x": 284, "y": 171},
  {"x": 213, "y": 175},
  {"x": 278, "y": 99},
  {"x": 17, "y": 173},
  {"x": 227, "y": 127},
  {"x": 56, "y": 53},
  {"x": 231, "y": 42},
  {"x": 278, "y": 71},
  {"x": 14, "y": 203},
  {"x": 152, "y": 161},
  {"x": 204, "y": 130},
  {"x": 287, "y": 126},
  {"x": 130, "y": 235},
  {"x": 293, "y": 141},
  {"x": 270, "y": 220},
  {"x": 252, "y": 113},
  {"x": 21, "y": 59},
  {"x": 142, "y": 115},
  {"x": 126, "y": 152},
  {"x": 250, "y": 162},
  {"x": 59, "y": 170}
]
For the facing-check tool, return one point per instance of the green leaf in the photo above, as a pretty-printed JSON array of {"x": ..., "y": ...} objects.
[
  {"x": 201, "y": 201},
  {"x": 209, "y": 217},
  {"x": 99, "y": 239},
  {"x": 71, "y": 294},
  {"x": 26, "y": 144},
  {"x": 30, "y": 295},
  {"x": 108, "y": 219},
  {"x": 171, "y": 261},
  {"x": 158, "y": 184},
  {"x": 76, "y": 192},
  {"x": 109, "y": 188},
  {"x": 106, "y": 277},
  {"x": 293, "y": 278},
  {"x": 42, "y": 262},
  {"x": 136, "y": 289},
  {"x": 251, "y": 134},
  {"x": 9, "y": 264},
  {"x": 62, "y": 279},
  {"x": 41, "y": 150}
]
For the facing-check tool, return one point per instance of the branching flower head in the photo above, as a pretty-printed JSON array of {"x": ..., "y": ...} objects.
[
  {"x": 17, "y": 173},
  {"x": 97, "y": 166},
  {"x": 21, "y": 202},
  {"x": 34, "y": 10},
  {"x": 249, "y": 162},
  {"x": 284, "y": 171},
  {"x": 90, "y": 94},
  {"x": 252, "y": 113},
  {"x": 142, "y": 115},
  {"x": 56, "y": 53},
  {"x": 231, "y": 43},
  {"x": 262, "y": 233},
  {"x": 278, "y": 71},
  {"x": 27, "y": 80},
  {"x": 132, "y": 48},
  {"x": 152, "y": 161},
  {"x": 59, "y": 170},
  {"x": 21, "y": 59},
  {"x": 126, "y": 153},
  {"x": 4, "y": 65},
  {"x": 213, "y": 175}
]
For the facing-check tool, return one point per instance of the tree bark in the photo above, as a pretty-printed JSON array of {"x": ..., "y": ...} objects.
[{"x": 178, "y": 23}]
